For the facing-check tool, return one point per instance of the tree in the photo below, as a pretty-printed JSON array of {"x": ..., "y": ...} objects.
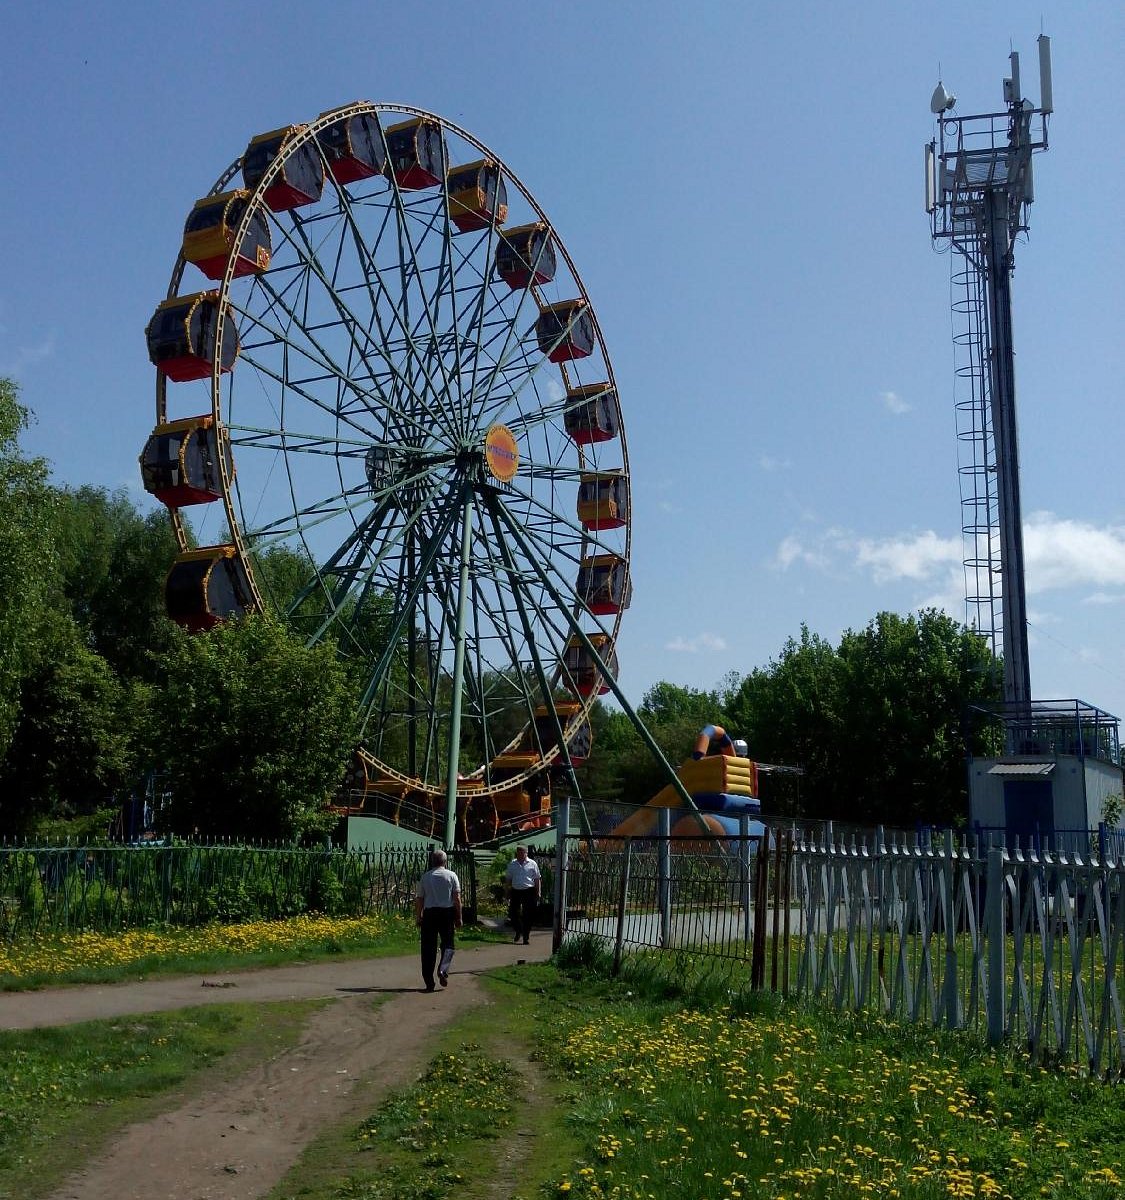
[
  {"x": 72, "y": 749},
  {"x": 27, "y": 563},
  {"x": 114, "y": 562},
  {"x": 877, "y": 723},
  {"x": 252, "y": 729}
]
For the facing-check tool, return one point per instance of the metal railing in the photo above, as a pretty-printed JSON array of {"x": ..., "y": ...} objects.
[
  {"x": 1014, "y": 944},
  {"x": 50, "y": 889}
]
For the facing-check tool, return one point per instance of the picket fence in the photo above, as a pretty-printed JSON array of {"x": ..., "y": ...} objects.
[{"x": 1019, "y": 945}]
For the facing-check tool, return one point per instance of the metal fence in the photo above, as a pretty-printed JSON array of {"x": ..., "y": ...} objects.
[
  {"x": 1011, "y": 943},
  {"x": 50, "y": 889}
]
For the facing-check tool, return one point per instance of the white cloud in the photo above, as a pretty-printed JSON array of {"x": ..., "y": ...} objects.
[
  {"x": 894, "y": 403},
  {"x": 20, "y": 358},
  {"x": 702, "y": 641},
  {"x": 1104, "y": 598},
  {"x": 769, "y": 463},
  {"x": 1065, "y": 553},
  {"x": 920, "y": 556}
]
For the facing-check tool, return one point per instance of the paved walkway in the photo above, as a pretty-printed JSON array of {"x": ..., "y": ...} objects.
[{"x": 90, "y": 1002}]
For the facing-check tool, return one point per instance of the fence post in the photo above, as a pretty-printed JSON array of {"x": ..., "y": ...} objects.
[
  {"x": 744, "y": 877},
  {"x": 994, "y": 923},
  {"x": 562, "y": 827},
  {"x": 622, "y": 901},
  {"x": 664, "y": 874},
  {"x": 952, "y": 999}
]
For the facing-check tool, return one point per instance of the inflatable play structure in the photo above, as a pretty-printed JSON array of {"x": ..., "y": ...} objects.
[{"x": 723, "y": 785}]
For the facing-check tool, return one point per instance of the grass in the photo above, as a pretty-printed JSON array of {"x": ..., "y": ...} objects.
[
  {"x": 482, "y": 1120},
  {"x": 63, "y": 1091},
  {"x": 145, "y": 953},
  {"x": 668, "y": 1081}
]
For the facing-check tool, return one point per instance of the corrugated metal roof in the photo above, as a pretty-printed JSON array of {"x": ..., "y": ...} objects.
[{"x": 1011, "y": 769}]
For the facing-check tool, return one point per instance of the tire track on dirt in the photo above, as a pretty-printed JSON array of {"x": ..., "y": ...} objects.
[{"x": 237, "y": 1141}]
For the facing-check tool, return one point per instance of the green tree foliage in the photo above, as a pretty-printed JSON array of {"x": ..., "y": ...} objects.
[
  {"x": 27, "y": 561},
  {"x": 114, "y": 561},
  {"x": 253, "y": 729},
  {"x": 73, "y": 745},
  {"x": 877, "y": 723}
]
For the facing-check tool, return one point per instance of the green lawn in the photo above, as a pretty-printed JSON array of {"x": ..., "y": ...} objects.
[{"x": 663, "y": 1083}]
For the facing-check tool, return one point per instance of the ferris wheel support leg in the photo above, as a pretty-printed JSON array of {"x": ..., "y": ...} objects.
[
  {"x": 458, "y": 672},
  {"x": 619, "y": 695}
]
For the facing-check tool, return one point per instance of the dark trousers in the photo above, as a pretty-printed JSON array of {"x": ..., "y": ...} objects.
[
  {"x": 524, "y": 904},
  {"x": 437, "y": 927}
]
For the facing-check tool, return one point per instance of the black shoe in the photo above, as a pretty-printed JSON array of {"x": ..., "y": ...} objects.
[
  {"x": 429, "y": 987},
  {"x": 526, "y": 942},
  {"x": 516, "y": 938},
  {"x": 443, "y": 979}
]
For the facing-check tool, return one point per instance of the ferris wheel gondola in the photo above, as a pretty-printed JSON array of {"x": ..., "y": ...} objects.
[{"x": 396, "y": 397}]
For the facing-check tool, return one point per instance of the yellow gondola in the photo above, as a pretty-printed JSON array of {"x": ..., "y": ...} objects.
[
  {"x": 210, "y": 231},
  {"x": 478, "y": 196},
  {"x": 603, "y": 499}
]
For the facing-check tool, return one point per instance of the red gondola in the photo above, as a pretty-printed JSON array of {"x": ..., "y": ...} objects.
[
  {"x": 603, "y": 500},
  {"x": 353, "y": 148},
  {"x": 604, "y": 584},
  {"x": 180, "y": 462},
  {"x": 416, "y": 154},
  {"x": 301, "y": 178},
  {"x": 478, "y": 196},
  {"x": 210, "y": 232},
  {"x": 565, "y": 330},
  {"x": 525, "y": 255},
  {"x": 585, "y": 674},
  {"x": 181, "y": 337},
  {"x": 592, "y": 413},
  {"x": 206, "y": 586}
]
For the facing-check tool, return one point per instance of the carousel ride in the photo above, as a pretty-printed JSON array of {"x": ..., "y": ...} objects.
[{"x": 384, "y": 396}]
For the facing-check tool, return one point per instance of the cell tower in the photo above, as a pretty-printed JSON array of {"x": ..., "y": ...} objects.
[{"x": 979, "y": 188}]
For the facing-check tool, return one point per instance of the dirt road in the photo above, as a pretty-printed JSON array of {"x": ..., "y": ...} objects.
[{"x": 236, "y": 1142}]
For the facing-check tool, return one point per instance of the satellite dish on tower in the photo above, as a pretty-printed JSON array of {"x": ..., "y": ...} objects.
[{"x": 941, "y": 101}]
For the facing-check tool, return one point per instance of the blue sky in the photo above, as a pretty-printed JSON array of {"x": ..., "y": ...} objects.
[{"x": 740, "y": 187}]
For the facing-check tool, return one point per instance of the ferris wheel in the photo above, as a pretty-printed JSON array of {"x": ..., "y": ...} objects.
[{"x": 383, "y": 390}]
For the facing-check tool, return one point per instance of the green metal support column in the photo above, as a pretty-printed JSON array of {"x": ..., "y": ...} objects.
[{"x": 458, "y": 673}]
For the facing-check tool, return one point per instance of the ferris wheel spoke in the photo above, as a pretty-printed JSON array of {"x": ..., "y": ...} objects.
[
  {"x": 406, "y": 602},
  {"x": 348, "y": 319},
  {"x": 415, "y": 270},
  {"x": 322, "y": 358},
  {"x": 277, "y": 531},
  {"x": 526, "y": 621},
  {"x": 382, "y": 293}
]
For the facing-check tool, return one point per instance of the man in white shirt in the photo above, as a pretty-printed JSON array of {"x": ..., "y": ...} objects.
[
  {"x": 437, "y": 911},
  {"x": 523, "y": 883}
]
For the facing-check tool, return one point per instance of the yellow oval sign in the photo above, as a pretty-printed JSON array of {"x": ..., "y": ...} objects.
[{"x": 502, "y": 453}]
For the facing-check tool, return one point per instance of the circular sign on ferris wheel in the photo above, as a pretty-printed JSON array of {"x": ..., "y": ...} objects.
[{"x": 502, "y": 453}]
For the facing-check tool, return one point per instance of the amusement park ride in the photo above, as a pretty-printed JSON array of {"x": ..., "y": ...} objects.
[{"x": 377, "y": 364}]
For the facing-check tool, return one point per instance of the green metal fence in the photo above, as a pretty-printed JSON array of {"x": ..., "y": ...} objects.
[{"x": 49, "y": 889}]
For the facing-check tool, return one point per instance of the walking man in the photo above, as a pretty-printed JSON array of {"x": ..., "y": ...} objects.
[
  {"x": 437, "y": 910},
  {"x": 524, "y": 883}
]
